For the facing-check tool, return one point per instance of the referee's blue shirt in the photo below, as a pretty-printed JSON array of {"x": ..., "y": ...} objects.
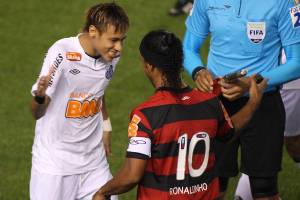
[{"x": 245, "y": 33}]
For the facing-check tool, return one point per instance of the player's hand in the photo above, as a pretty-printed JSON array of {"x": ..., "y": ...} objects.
[
  {"x": 107, "y": 142},
  {"x": 236, "y": 89},
  {"x": 204, "y": 81},
  {"x": 256, "y": 91},
  {"x": 42, "y": 85},
  {"x": 98, "y": 196}
]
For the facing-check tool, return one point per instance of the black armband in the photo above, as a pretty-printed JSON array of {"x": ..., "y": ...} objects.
[
  {"x": 39, "y": 99},
  {"x": 197, "y": 69}
]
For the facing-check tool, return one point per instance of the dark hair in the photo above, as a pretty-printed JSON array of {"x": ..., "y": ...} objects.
[
  {"x": 104, "y": 14},
  {"x": 163, "y": 50}
]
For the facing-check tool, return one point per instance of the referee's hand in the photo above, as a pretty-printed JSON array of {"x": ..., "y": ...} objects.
[
  {"x": 204, "y": 81},
  {"x": 236, "y": 89}
]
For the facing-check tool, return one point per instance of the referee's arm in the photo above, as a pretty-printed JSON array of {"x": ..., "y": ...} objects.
[{"x": 288, "y": 71}]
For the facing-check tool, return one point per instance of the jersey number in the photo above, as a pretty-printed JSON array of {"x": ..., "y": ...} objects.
[
  {"x": 297, "y": 23},
  {"x": 183, "y": 150}
]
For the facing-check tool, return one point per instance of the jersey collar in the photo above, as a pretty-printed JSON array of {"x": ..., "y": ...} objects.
[{"x": 176, "y": 90}]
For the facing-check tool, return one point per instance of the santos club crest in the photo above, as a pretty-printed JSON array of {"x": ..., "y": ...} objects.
[{"x": 256, "y": 31}]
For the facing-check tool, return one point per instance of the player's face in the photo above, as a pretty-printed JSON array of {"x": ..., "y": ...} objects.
[{"x": 108, "y": 44}]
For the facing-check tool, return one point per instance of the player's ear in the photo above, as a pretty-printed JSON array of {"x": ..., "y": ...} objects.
[
  {"x": 93, "y": 31},
  {"x": 149, "y": 67}
]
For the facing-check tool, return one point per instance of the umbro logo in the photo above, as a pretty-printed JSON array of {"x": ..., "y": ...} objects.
[
  {"x": 185, "y": 98},
  {"x": 74, "y": 71}
]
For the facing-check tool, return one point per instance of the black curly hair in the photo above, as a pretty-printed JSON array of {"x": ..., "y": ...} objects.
[{"x": 163, "y": 50}]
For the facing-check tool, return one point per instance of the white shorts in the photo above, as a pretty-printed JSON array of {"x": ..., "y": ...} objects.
[
  {"x": 73, "y": 187},
  {"x": 291, "y": 101}
]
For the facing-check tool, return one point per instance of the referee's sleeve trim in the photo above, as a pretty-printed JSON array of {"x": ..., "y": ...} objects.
[{"x": 137, "y": 155}]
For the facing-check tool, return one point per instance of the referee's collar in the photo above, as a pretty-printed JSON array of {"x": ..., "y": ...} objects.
[{"x": 177, "y": 90}]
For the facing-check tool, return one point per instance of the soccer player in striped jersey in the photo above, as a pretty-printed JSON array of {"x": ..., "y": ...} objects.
[{"x": 170, "y": 153}]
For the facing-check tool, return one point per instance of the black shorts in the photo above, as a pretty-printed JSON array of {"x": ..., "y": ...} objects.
[{"x": 261, "y": 140}]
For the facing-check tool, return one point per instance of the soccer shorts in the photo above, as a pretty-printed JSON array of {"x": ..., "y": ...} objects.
[
  {"x": 291, "y": 101},
  {"x": 261, "y": 140},
  {"x": 72, "y": 187}
]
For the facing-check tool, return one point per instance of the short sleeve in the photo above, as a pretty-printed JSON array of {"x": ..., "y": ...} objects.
[
  {"x": 198, "y": 21},
  {"x": 52, "y": 66},
  {"x": 225, "y": 128},
  {"x": 140, "y": 136},
  {"x": 289, "y": 22}
]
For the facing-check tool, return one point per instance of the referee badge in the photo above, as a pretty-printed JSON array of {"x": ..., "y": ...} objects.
[{"x": 256, "y": 31}]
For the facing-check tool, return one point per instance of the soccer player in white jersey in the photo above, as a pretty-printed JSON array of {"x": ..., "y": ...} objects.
[{"x": 68, "y": 154}]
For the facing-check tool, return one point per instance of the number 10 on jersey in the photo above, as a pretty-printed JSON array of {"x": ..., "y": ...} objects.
[{"x": 184, "y": 149}]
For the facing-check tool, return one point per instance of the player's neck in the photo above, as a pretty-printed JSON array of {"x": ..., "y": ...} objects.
[
  {"x": 86, "y": 45},
  {"x": 161, "y": 82}
]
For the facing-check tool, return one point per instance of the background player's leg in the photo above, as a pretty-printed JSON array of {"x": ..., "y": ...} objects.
[
  {"x": 243, "y": 190},
  {"x": 292, "y": 145},
  {"x": 291, "y": 101}
]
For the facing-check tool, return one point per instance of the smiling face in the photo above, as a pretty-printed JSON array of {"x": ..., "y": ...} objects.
[{"x": 107, "y": 44}]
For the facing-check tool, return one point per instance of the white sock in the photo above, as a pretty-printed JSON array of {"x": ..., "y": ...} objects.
[{"x": 243, "y": 188}]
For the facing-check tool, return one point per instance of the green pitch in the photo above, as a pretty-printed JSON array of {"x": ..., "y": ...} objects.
[{"x": 27, "y": 29}]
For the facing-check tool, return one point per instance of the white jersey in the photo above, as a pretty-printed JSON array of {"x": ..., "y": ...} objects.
[
  {"x": 68, "y": 138},
  {"x": 295, "y": 84}
]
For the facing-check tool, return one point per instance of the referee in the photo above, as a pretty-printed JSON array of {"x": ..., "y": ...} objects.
[{"x": 247, "y": 34}]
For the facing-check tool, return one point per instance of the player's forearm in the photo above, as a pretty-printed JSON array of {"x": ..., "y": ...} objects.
[
  {"x": 244, "y": 115},
  {"x": 191, "y": 46},
  {"x": 123, "y": 182},
  {"x": 104, "y": 109},
  {"x": 127, "y": 178},
  {"x": 39, "y": 110},
  {"x": 117, "y": 186},
  {"x": 288, "y": 71}
]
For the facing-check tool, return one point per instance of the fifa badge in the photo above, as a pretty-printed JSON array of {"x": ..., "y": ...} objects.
[{"x": 256, "y": 31}]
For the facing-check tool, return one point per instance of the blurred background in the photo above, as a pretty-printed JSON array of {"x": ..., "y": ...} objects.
[{"x": 27, "y": 29}]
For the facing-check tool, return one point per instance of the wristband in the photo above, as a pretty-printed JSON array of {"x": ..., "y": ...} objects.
[
  {"x": 107, "y": 125},
  {"x": 196, "y": 70},
  {"x": 258, "y": 78},
  {"x": 39, "y": 99}
]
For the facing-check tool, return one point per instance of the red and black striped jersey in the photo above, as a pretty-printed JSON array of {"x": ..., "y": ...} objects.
[{"x": 175, "y": 130}]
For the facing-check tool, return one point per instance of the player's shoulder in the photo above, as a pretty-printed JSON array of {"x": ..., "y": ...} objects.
[
  {"x": 65, "y": 44},
  {"x": 151, "y": 102},
  {"x": 200, "y": 96}
]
